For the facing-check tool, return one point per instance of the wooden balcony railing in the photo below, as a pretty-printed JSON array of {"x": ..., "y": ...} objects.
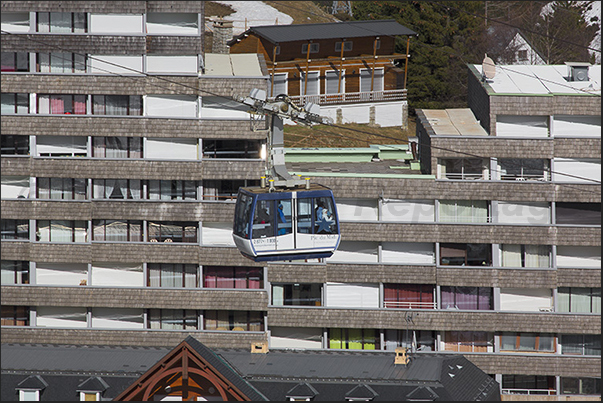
[{"x": 350, "y": 97}]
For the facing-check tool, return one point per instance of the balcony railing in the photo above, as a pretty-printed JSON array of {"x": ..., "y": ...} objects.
[
  {"x": 410, "y": 305},
  {"x": 548, "y": 392},
  {"x": 350, "y": 97}
]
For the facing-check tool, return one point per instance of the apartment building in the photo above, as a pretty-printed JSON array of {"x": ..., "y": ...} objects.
[{"x": 117, "y": 187}]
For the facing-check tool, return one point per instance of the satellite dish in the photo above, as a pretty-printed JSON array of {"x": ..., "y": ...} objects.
[{"x": 488, "y": 68}]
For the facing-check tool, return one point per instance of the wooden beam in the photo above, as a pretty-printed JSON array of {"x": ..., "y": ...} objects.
[
  {"x": 273, "y": 69},
  {"x": 374, "y": 61},
  {"x": 406, "y": 57},
  {"x": 307, "y": 67}
]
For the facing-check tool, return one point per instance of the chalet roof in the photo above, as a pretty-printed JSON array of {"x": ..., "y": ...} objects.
[{"x": 331, "y": 30}]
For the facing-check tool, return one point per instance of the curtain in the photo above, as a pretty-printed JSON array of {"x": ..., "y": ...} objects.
[
  {"x": 537, "y": 256},
  {"x": 563, "y": 299},
  {"x": 57, "y": 104},
  {"x": 447, "y": 211},
  {"x": 580, "y": 300},
  {"x": 61, "y": 231},
  {"x": 154, "y": 275},
  {"x": 79, "y": 104},
  {"x": 191, "y": 274},
  {"x": 511, "y": 255}
]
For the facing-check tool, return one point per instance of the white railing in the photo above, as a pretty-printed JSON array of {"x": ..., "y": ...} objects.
[
  {"x": 548, "y": 392},
  {"x": 410, "y": 305},
  {"x": 350, "y": 97}
]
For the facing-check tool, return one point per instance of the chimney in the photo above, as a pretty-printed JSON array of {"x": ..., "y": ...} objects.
[
  {"x": 222, "y": 34},
  {"x": 259, "y": 347},
  {"x": 401, "y": 357}
]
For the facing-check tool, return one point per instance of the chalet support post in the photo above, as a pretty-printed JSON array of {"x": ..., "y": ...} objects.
[
  {"x": 406, "y": 65},
  {"x": 340, "y": 73},
  {"x": 307, "y": 68},
  {"x": 374, "y": 63},
  {"x": 185, "y": 375},
  {"x": 273, "y": 69}
]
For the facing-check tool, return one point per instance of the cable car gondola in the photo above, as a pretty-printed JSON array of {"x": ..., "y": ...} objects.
[{"x": 285, "y": 224}]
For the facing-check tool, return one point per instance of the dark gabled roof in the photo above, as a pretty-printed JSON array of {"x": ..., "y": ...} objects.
[
  {"x": 224, "y": 368},
  {"x": 302, "y": 390},
  {"x": 330, "y": 30},
  {"x": 458, "y": 372},
  {"x": 361, "y": 391},
  {"x": 422, "y": 393},
  {"x": 32, "y": 382},
  {"x": 93, "y": 384}
]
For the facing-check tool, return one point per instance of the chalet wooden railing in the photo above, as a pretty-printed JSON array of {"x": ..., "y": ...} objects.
[{"x": 350, "y": 97}]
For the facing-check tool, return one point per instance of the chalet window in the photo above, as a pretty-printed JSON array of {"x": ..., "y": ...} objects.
[
  {"x": 61, "y": 188},
  {"x": 117, "y": 230},
  {"x": 173, "y": 275},
  {"x": 172, "y": 231},
  {"x": 233, "y": 277},
  {"x": 314, "y": 47},
  {"x": 309, "y": 85},
  {"x": 15, "y": 315},
  {"x": 15, "y": 229},
  {"x": 526, "y": 255},
  {"x": 581, "y": 300},
  {"x": 250, "y": 321},
  {"x": 474, "y": 298},
  {"x": 581, "y": 344},
  {"x": 354, "y": 339},
  {"x": 117, "y": 105},
  {"x": 62, "y": 22},
  {"x": 535, "y": 342},
  {"x": 14, "y": 145},
  {"x": 522, "y": 55},
  {"x": 117, "y": 189},
  {"x": 15, "y": 103},
  {"x": 465, "y": 254},
  {"x": 366, "y": 78},
  {"x": 61, "y": 63},
  {"x": 117, "y": 147},
  {"x": 297, "y": 294},
  {"x": 62, "y": 104},
  {"x": 347, "y": 46},
  {"x": 581, "y": 386},
  {"x": 15, "y": 272},
  {"x": 409, "y": 296},
  {"x": 15, "y": 61},
  {"x": 280, "y": 84},
  {"x": 332, "y": 85},
  {"x": 173, "y": 319}
]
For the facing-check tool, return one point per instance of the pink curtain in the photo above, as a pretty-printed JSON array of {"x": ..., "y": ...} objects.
[
  {"x": 79, "y": 105},
  {"x": 57, "y": 105}
]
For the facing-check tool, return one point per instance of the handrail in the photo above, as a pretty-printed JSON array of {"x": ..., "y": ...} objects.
[
  {"x": 350, "y": 97},
  {"x": 410, "y": 305},
  {"x": 549, "y": 392}
]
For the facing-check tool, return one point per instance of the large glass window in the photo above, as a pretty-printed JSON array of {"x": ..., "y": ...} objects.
[
  {"x": 173, "y": 275},
  {"x": 117, "y": 189},
  {"x": 534, "y": 342},
  {"x": 61, "y": 63},
  {"x": 465, "y": 254},
  {"x": 421, "y": 340},
  {"x": 15, "y": 315},
  {"x": 15, "y": 272},
  {"x": 464, "y": 211},
  {"x": 474, "y": 298},
  {"x": 250, "y": 321},
  {"x": 15, "y": 61},
  {"x": 172, "y": 190},
  {"x": 368, "y": 79},
  {"x": 578, "y": 213},
  {"x": 62, "y": 231},
  {"x": 62, "y": 22},
  {"x": 15, "y": 229},
  {"x": 581, "y": 344},
  {"x": 409, "y": 296},
  {"x": 233, "y": 277},
  {"x": 579, "y": 300},
  {"x": 173, "y": 231},
  {"x": 581, "y": 386},
  {"x": 242, "y": 215},
  {"x": 526, "y": 255},
  {"x": 15, "y": 103},
  {"x": 117, "y": 230},
  {"x": 61, "y": 146},
  {"x": 61, "y": 188},
  {"x": 472, "y": 342},
  {"x": 463, "y": 168},
  {"x": 117, "y": 147},
  {"x": 354, "y": 339},
  {"x": 216, "y": 189},
  {"x": 62, "y": 104},
  {"x": 231, "y": 149},
  {"x": 173, "y": 319},
  {"x": 15, "y": 145},
  {"x": 297, "y": 294},
  {"x": 521, "y": 169},
  {"x": 528, "y": 384},
  {"x": 117, "y": 105}
]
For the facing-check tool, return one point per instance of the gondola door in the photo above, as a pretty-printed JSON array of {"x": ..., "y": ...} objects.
[{"x": 285, "y": 236}]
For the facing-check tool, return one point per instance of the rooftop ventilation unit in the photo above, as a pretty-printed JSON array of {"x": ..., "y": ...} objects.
[{"x": 577, "y": 71}]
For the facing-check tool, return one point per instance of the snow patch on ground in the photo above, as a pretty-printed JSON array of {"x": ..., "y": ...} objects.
[{"x": 256, "y": 13}]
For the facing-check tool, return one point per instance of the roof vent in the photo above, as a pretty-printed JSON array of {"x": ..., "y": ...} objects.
[
  {"x": 259, "y": 347},
  {"x": 577, "y": 71},
  {"x": 401, "y": 356}
]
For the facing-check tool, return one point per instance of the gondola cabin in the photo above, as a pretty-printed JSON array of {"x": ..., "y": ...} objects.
[{"x": 286, "y": 225}]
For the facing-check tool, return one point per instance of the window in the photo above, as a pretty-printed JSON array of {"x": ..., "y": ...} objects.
[
  {"x": 61, "y": 63},
  {"x": 15, "y": 103},
  {"x": 173, "y": 319},
  {"x": 528, "y": 384},
  {"x": 233, "y": 277},
  {"x": 61, "y": 146},
  {"x": 578, "y": 213},
  {"x": 117, "y": 147},
  {"x": 171, "y": 23},
  {"x": 130, "y": 189},
  {"x": 250, "y": 321},
  {"x": 465, "y": 254},
  {"x": 15, "y": 145},
  {"x": 409, "y": 296},
  {"x": 465, "y": 211},
  {"x": 216, "y": 189},
  {"x": 581, "y": 344},
  {"x": 15, "y": 22},
  {"x": 314, "y": 47},
  {"x": 524, "y": 126},
  {"x": 242, "y": 216},
  {"x": 332, "y": 82},
  {"x": 62, "y": 231},
  {"x": 62, "y": 104},
  {"x": 62, "y": 22},
  {"x": 520, "y": 169},
  {"x": 526, "y": 255},
  {"x": 579, "y": 300},
  {"x": 280, "y": 83},
  {"x": 29, "y": 395},
  {"x": 581, "y": 386},
  {"x": 15, "y": 315},
  {"x": 173, "y": 275},
  {"x": 15, "y": 61},
  {"x": 472, "y": 342},
  {"x": 117, "y": 105},
  {"x": 534, "y": 342},
  {"x": 309, "y": 84},
  {"x": 297, "y": 294},
  {"x": 315, "y": 215},
  {"x": 172, "y": 190},
  {"x": 463, "y": 168},
  {"x": 347, "y": 46},
  {"x": 89, "y": 396},
  {"x": 15, "y": 272},
  {"x": 354, "y": 339},
  {"x": 15, "y": 187},
  {"x": 173, "y": 231},
  {"x": 233, "y": 149},
  {"x": 522, "y": 55},
  {"x": 421, "y": 340},
  {"x": 61, "y": 188},
  {"x": 370, "y": 82},
  {"x": 474, "y": 298},
  {"x": 117, "y": 230},
  {"x": 15, "y": 229}
]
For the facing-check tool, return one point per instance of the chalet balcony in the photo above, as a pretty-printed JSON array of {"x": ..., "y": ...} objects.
[{"x": 351, "y": 97}]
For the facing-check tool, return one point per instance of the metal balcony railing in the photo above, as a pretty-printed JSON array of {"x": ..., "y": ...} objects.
[
  {"x": 410, "y": 305},
  {"x": 350, "y": 97}
]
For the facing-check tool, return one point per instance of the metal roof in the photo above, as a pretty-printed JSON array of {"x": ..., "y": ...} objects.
[
  {"x": 454, "y": 122},
  {"x": 331, "y": 30}
]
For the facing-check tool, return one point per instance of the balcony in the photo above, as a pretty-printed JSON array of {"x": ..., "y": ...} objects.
[{"x": 351, "y": 97}]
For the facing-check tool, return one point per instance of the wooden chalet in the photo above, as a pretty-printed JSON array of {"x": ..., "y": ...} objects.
[{"x": 332, "y": 63}]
